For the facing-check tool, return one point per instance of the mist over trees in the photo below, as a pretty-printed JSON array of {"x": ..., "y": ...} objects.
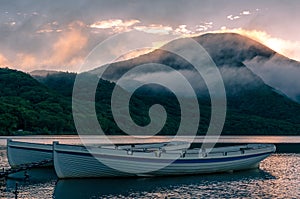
[
  {"x": 28, "y": 106},
  {"x": 42, "y": 104}
]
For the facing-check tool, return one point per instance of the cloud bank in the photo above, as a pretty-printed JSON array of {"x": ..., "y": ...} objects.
[
  {"x": 30, "y": 30},
  {"x": 280, "y": 73}
]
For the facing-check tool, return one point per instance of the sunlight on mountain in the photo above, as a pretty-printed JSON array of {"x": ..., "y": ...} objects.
[
  {"x": 134, "y": 53},
  {"x": 290, "y": 49}
]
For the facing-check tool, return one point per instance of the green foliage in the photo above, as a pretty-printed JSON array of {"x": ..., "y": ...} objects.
[
  {"x": 28, "y": 106},
  {"x": 44, "y": 107}
]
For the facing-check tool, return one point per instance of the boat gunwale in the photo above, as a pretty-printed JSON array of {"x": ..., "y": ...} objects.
[
  {"x": 10, "y": 141},
  {"x": 269, "y": 149},
  {"x": 29, "y": 146}
]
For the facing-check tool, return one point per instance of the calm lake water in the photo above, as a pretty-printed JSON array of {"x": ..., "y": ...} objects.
[{"x": 277, "y": 177}]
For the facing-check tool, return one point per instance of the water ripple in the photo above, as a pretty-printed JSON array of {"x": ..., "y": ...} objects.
[{"x": 278, "y": 177}]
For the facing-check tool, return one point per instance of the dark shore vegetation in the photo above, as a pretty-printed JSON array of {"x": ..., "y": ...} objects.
[{"x": 42, "y": 105}]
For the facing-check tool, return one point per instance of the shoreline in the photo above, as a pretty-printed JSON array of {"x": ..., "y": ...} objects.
[
  {"x": 197, "y": 139},
  {"x": 284, "y": 144}
]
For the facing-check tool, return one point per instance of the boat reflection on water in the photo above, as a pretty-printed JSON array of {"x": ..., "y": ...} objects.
[
  {"x": 36, "y": 176},
  {"x": 137, "y": 187}
]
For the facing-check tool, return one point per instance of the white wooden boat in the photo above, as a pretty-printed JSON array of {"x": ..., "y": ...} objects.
[
  {"x": 71, "y": 161},
  {"x": 20, "y": 153}
]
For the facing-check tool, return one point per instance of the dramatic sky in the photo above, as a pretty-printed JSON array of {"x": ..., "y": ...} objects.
[{"x": 58, "y": 35}]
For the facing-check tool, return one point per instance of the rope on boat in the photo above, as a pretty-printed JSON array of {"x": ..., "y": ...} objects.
[{"x": 4, "y": 173}]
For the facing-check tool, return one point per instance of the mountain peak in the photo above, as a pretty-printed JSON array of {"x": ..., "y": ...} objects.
[{"x": 232, "y": 48}]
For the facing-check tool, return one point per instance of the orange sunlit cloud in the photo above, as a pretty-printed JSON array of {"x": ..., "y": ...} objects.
[
  {"x": 135, "y": 53},
  {"x": 238, "y": 16},
  {"x": 117, "y": 25},
  {"x": 155, "y": 29},
  {"x": 66, "y": 51},
  {"x": 67, "y": 47},
  {"x": 245, "y": 12},
  {"x": 49, "y": 28},
  {"x": 3, "y": 61},
  {"x": 22, "y": 61},
  {"x": 182, "y": 29},
  {"x": 26, "y": 60},
  {"x": 231, "y": 17}
]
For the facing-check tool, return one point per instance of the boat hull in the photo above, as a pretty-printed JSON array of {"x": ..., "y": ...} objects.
[
  {"x": 76, "y": 162},
  {"x": 20, "y": 153}
]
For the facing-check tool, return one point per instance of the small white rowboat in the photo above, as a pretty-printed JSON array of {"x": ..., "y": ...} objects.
[
  {"x": 20, "y": 153},
  {"x": 71, "y": 161}
]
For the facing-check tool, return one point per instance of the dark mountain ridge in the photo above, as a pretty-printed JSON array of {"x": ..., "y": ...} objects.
[
  {"x": 254, "y": 108},
  {"x": 246, "y": 92}
]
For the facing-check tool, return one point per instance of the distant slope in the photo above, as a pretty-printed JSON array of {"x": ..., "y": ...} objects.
[
  {"x": 28, "y": 105},
  {"x": 249, "y": 113},
  {"x": 237, "y": 57},
  {"x": 250, "y": 100},
  {"x": 61, "y": 82},
  {"x": 254, "y": 108},
  {"x": 43, "y": 73},
  {"x": 274, "y": 69}
]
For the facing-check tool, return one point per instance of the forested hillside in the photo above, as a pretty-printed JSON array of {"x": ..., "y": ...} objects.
[
  {"x": 42, "y": 103},
  {"x": 27, "y": 105}
]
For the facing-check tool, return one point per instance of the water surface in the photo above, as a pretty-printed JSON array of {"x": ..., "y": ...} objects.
[{"x": 277, "y": 177}]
